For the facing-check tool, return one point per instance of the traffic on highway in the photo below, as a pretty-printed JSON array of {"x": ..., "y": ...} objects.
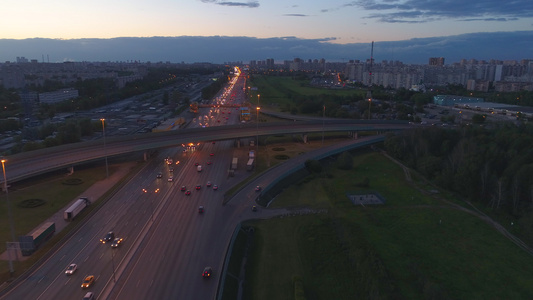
[{"x": 157, "y": 235}]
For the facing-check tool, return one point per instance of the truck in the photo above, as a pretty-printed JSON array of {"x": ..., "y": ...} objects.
[
  {"x": 234, "y": 163},
  {"x": 199, "y": 168},
  {"x": 251, "y": 154},
  {"x": 76, "y": 208},
  {"x": 30, "y": 243},
  {"x": 250, "y": 164}
]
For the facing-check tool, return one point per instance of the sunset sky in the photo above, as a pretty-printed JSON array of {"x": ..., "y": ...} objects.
[{"x": 337, "y": 21}]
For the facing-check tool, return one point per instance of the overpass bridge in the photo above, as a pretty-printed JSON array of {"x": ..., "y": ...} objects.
[{"x": 28, "y": 164}]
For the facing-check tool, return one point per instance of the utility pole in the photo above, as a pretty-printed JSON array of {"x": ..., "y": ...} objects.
[{"x": 369, "y": 92}]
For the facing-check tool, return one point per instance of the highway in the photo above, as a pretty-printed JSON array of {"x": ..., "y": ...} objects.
[{"x": 167, "y": 242}]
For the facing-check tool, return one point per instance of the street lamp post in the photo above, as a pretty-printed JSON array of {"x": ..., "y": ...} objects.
[
  {"x": 151, "y": 204},
  {"x": 257, "y": 121},
  {"x": 10, "y": 217},
  {"x": 105, "y": 148}
]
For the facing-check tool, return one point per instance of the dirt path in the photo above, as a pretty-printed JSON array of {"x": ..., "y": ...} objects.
[{"x": 473, "y": 211}]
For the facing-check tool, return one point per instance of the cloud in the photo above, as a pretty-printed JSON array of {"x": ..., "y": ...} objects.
[
  {"x": 295, "y": 15},
  {"x": 422, "y": 11},
  {"x": 251, "y": 4}
]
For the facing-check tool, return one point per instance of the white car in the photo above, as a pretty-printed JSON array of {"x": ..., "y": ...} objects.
[
  {"x": 170, "y": 179},
  {"x": 71, "y": 269}
]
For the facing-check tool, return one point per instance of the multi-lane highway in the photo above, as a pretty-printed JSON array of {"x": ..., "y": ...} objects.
[{"x": 167, "y": 242}]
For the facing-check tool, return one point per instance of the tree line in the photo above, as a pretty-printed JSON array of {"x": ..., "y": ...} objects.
[{"x": 491, "y": 165}]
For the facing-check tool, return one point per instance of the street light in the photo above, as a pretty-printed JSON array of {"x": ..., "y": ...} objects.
[
  {"x": 105, "y": 149},
  {"x": 151, "y": 204},
  {"x": 10, "y": 217},
  {"x": 257, "y": 121}
]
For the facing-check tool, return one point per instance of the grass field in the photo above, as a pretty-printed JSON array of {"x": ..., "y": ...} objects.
[
  {"x": 56, "y": 194},
  {"x": 278, "y": 91},
  {"x": 413, "y": 247}
]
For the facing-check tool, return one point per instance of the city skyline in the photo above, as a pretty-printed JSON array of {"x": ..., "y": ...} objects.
[
  {"x": 221, "y": 49},
  {"x": 336, "y": 22}
]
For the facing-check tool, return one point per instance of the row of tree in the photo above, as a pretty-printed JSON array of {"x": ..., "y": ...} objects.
[{"x": 490, "y": 165}]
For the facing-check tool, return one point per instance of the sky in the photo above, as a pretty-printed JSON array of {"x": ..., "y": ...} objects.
[{"x": 332, "y": 21}]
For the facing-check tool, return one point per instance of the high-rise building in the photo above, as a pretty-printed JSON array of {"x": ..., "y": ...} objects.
[{"x": 436, "y": 61}]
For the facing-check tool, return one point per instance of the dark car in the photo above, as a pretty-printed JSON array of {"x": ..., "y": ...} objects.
[
  {"x": 200, "y": 209},
  {"x": 207, "y": 272},
  {"x": 257, "y": 188},
  {"x": 187, "y": 193},
  {"x": 254, "y": 208},
  {"x": 183, "y": 188},
  {"x": 116, "y": 242},
  {"x": 108, "y": 237},
  {"x": 198, "y": 187}
]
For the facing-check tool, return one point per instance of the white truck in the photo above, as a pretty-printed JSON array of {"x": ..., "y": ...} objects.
[
  {"x": 76, "y": 208},
  {"x": 234, "y": 163}
]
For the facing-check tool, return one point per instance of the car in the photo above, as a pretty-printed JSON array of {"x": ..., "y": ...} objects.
[
  {"x": 187, "y": 192},
  {"x": 170, "y": 179},
  {"x": 215, "y": 187},
  {"x": 196, "y": 164},
  {"x": 88, "y": 281},
  {"x": 211, "y": 154},
  {"x": 116, "y": 242},
  {"x": 108, "y": 237},
  {"x": 257, "y": 188},
  {"x": 183, "y": 188},
  {"x": 200, "y": 209},
  {"x": 254, "y": 208},
  {"x": 159, "y": 175},
  {"x": 207, "y": 272},
  {"x": 208, "y": 184},
  {"x": 71, "y": 269},
  {"x": 198, "y": 186},
  {"x": 89, "y": 296},
  {"x": 209, "y": 162},
  {"x": 171, "y": 169}
]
